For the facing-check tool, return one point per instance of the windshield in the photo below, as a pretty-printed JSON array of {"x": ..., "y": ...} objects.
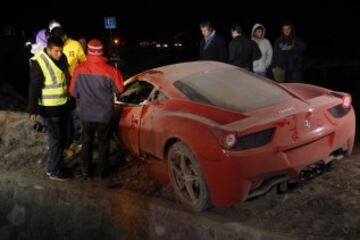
[{"x": 232, "y": 89}]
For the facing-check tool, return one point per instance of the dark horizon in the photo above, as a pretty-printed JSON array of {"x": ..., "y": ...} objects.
[
  {"x": 328, "y": 29},
  {"x": 318, "y": 24}
]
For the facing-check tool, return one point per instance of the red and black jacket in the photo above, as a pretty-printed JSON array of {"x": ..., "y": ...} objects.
[{"x": 94, "y": 84}]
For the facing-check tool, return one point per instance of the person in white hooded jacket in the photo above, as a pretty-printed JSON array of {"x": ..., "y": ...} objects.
[{"x": 258, "y": 35}]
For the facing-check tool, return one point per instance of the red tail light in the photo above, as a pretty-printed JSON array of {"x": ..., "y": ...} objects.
[
  {"x": 346, "y": 101},
  {"x": 346, "y": 98},
  {"x": 231, "y": 141},
  {"x": 227, "y": 140}
]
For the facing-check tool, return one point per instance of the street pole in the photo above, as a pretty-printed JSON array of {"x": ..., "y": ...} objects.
[{"x": 110, "y": 36}]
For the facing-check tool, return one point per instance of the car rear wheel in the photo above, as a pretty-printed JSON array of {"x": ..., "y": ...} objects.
[{"x": 187, "y": 178}]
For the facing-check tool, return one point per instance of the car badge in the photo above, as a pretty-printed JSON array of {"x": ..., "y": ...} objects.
[{"x": 307, "y": 124}]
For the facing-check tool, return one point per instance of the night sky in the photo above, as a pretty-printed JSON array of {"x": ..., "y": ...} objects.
[
  {"x": 330, "y": 31},
  {"x": 322, "y": 25}
]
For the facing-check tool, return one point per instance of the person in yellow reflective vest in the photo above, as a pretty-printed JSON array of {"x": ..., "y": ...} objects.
[{"x": 48, "y": 97}]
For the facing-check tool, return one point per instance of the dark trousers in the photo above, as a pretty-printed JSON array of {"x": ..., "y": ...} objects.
[
  {"x": 57, "y": 132},
  {"x": 70, "y": 130},
  {"x": 294, "y": 77},
  {"x": 103, "y": 136}
]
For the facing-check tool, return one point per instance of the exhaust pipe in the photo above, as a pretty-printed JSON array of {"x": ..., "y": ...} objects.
[
  {"x": 313, "y": 170},
  {"x": 268, "y": 185},
  {"x": 322, "y": 166}
]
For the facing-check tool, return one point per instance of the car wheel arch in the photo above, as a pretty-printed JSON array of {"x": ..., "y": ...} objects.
[
  {"x": 171, "y": 141},
  {"x": 203, "y": 200}
]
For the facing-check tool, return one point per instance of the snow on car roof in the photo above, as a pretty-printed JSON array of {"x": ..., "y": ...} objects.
[{"x": 179, "y": 71}]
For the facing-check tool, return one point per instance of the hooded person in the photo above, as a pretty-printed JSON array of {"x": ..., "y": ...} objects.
[
  {"x": 53, "y": 24},
  {"x": 288, "y": 55},
  {"x": 40, "y": 42},
  {"x": 42, "y": 36},
  {"x": 258, "y": 35}
]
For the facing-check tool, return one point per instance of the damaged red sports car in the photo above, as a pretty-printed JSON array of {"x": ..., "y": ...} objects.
[{"x": 221, "y": 135}]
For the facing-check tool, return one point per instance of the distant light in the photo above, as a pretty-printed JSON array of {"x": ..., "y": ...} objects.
[
  {"x": 166, "y": 45},
  {"x": 178, "y": 44},
  {"x": 158, "y": 45},
  {"x": 145, "y": 44},
  {"x": 116, "y": 41}
]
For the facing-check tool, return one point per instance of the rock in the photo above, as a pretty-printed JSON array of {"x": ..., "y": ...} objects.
[
  {"x": 5, "y": 232},
  {"x": 160, "y": 230},
  {"x": 17, "y": 215}
]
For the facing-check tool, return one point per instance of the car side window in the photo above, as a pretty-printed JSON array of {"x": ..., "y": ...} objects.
[
  {"x": 136, "y": 92},
  {"x": 157, "y": 96}
]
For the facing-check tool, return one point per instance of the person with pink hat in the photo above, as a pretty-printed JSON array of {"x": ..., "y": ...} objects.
[{"x": 94, "y": 84}]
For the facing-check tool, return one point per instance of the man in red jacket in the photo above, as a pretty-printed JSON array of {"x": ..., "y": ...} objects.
[{"x": 94, "y": 84}]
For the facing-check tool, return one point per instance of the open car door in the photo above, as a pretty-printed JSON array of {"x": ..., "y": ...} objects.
[{"x": 132, "y": 102}]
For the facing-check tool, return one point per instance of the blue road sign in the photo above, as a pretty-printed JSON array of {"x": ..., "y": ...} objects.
[{"x": 110, "y": 22}]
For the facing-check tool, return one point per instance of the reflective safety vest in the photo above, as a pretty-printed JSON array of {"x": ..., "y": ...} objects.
[{"x": 54, "y": 91}]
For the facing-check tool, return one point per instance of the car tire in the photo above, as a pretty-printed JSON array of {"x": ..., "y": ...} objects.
[{"x": 187, "y": 178}]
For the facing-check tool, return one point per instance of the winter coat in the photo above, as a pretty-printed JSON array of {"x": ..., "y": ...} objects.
[
  {"x": 265, "y": 47},
  {"x": 94, "y": 84},
  {"x": 36, "y": 84},
  {"x": 40, "y": 43},
  {"x": 243, "y": 51},
  {"x": 216, "y": 49},
  {"x": 289, "y": 53}
]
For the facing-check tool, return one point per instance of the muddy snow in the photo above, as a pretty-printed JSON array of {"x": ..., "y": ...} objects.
[{"x": 326, "y": 207}]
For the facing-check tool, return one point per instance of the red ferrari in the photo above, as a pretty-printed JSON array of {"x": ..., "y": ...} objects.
[{"x": 221, "y": 135}]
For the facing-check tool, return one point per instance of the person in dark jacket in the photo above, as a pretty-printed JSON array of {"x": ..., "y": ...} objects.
[
  {"x": 288, "y": 56},
  {"x": 212, "y": 46},
  {"x": 48, "y": 97},
  {"x": 242, "y": 50},
  {"x": 94, "y": 84}
]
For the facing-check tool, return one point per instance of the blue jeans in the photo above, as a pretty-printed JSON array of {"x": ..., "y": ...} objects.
[
  {"x": 261, "y": 74},
  {"x": 57, "y": 136}
]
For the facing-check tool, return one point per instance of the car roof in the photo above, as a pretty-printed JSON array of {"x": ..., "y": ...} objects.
[
  {"x": 164, "y": 77},
  {"x": 179, "y": 71}
]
